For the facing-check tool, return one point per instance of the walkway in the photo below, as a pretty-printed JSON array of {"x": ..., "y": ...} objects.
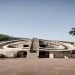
[{"x": 25, "y": 66}]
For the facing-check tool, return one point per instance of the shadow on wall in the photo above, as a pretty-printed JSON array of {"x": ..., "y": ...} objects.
[
  {"x": 43, "y": 54},
  {"x": 25, "y": 45},
  {"x": 3, "y": 56},
  {"x": 21, "y": 54}
]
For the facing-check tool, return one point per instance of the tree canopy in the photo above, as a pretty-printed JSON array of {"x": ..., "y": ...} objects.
[
  {"x": 4, "y": 37},
  {"x": 72, "y": 32}
]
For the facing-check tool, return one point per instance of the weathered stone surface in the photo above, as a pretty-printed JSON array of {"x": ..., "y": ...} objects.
[{"x": 38, "y": 48}]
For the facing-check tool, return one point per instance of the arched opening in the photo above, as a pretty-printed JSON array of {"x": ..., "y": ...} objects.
[
  {"x": 43, "y": 46},
  {"x": 25, "y": 45},
  {"x": 43, "y": 54},
  {"x": 21, "y": 54},
  {"x": 2, "y": 56}
]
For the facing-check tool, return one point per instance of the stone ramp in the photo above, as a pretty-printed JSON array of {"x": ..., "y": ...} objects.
[{"x": 35, "y": 45}]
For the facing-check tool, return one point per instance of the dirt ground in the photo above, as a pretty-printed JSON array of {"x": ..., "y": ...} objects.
[{"x": 23, "y": 66}]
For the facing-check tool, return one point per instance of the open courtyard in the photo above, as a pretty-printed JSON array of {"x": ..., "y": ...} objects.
[{"x": 45, "y": 66}]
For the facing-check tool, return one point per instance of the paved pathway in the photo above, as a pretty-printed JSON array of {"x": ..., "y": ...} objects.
[{"x": 24, "y": 66}]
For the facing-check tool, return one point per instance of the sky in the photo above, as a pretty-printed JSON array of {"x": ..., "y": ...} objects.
[{"x": 44, "y": 19}]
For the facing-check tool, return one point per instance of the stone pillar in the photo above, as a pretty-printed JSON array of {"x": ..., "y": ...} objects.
[
  {"x": 28, "y": 53},
  {"x": 51, "y": 55},
  {"x": 37, "y": 53}
]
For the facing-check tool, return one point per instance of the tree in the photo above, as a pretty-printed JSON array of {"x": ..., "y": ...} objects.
[
  {"x": 4, "y": 37},
  {"x": 72, "y": 32}
]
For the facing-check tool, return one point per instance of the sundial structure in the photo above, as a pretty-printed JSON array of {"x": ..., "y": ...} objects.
[{"x": 37, "y": 48}]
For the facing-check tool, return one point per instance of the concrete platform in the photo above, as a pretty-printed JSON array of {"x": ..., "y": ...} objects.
[{"x": 24, "y": 66}]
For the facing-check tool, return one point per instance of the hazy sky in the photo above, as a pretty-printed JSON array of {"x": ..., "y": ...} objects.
[{"x": 47, "y": 19}]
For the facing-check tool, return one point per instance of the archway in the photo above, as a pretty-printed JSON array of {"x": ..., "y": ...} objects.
[
  {"x": 21, "y": 54},
  {"x": 43, "y": 54},
  {"x": 2, "y": 56}
]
